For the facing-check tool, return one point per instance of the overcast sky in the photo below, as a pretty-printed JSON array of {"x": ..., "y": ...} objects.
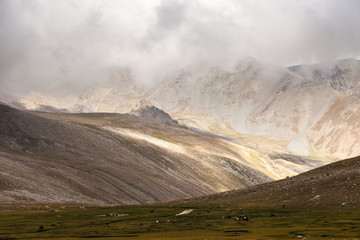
[{"x": 47, "y": 44}]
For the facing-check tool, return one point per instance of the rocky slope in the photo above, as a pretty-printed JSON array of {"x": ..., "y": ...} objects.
[
  {"x": 148, "y": 111},
  {"x": 105, "y": 158},
  {"x": 336, "y": 184}
]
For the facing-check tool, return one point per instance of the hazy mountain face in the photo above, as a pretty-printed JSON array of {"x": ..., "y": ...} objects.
[{"x": 310, "y": 109}]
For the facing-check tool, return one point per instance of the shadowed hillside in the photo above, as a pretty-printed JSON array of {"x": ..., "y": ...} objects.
[{"x": 110, "y": 158}]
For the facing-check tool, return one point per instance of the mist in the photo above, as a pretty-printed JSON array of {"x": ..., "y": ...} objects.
[{"x": 47, "y": 45}]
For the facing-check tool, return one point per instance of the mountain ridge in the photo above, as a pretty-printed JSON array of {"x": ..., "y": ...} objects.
[
  {"x": 292, "y": 104},
  {"x": 106, "y": 158}
]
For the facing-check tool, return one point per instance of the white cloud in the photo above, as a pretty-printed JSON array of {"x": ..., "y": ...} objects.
[{"x": 46, "y": 44}]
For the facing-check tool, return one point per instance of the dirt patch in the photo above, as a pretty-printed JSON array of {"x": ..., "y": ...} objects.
[{"x": 186, "y": 211}]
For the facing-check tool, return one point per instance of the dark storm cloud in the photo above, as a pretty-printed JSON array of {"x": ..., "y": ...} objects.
[{"x": 50, "y": 44}]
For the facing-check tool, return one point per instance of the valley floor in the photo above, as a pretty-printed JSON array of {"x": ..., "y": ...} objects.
[{"x": 206, "y": 221}]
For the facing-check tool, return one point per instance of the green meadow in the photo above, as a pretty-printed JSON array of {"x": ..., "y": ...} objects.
[{"x": 206, "y": 221}]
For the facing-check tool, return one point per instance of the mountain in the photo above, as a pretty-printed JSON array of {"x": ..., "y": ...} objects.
[
  {"x": 334, "y": 132},
  {"x": 146, "y": 110},
  {"x": 303, "y": 108},
  {"x": 203, "y": 130},
  {"x": 120, "y": 93},
  {"x": 307, "y": 110},
  {"x": 109, "y": 158},
  {"x": 334, "y": 185},
  {"x": 342, "y": 75}
]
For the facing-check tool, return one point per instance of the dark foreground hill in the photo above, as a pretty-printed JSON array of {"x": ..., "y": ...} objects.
[
  {"x": 105, "y": 158},
  {"x": 336, "y": 184}
]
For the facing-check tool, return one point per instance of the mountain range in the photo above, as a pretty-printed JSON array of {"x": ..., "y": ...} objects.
[
  {"x": 202, "y": 130},
  {"x": 109, "y": 158},
  {"x": 311, "y": 110}
]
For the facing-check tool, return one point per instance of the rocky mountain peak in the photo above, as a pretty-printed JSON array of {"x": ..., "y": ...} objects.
[{"x": 145, "y": 109}]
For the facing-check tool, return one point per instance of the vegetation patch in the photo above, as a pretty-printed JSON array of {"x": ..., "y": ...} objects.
[{"x": 207, "y": 221}]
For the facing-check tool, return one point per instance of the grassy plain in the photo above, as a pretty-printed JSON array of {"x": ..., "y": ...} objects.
[{"x": 206, "y": 221}]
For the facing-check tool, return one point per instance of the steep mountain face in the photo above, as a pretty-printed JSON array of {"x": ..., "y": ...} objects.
[
  {"x": 334, "y": 133},
  {"x": 310, "y": 110},
  {"x": 105, "y": 158},
  {"x": 214, "y": 91},
  {"x": 342, "y": 75}
]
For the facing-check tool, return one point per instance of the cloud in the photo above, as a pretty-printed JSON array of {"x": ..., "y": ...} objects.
[
  {"x": 50, "y": 44},
  {"x": 170, "y": 14}
]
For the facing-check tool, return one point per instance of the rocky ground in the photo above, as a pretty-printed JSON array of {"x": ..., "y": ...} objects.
[
  {"x": 334, "y": 185},
  {"x": 104, "y": 158}
]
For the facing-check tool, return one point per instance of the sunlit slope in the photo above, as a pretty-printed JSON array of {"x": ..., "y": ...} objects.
[{"x": 113, "y": 158}]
